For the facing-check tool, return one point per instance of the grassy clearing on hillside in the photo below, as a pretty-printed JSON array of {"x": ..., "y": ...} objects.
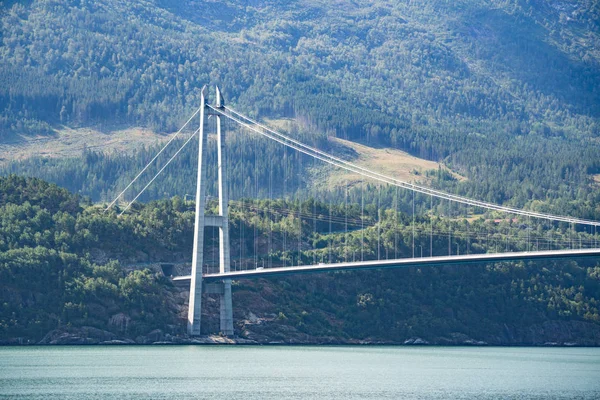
[
  {"x": 70, "y": 142},
  {"x": 391, "y": 162}
]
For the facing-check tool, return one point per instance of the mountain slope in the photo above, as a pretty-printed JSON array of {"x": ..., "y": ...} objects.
[{"x": 483, "y": 86}]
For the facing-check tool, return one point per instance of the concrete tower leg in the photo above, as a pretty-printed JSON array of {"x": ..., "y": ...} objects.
[
  {"x": 195, "y": 302},
  {"x": 224, "y": 260}
]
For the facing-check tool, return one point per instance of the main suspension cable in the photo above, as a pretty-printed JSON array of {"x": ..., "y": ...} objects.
[{"x": 328, "y": 158}]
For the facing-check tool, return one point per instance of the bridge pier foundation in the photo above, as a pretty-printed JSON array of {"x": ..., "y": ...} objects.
[{"x": 226, "y": 309}]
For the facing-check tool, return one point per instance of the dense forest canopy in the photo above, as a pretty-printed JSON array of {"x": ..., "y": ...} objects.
[
  {"x": 506, "y": 92},
  {"x": 62, "y": 266}
]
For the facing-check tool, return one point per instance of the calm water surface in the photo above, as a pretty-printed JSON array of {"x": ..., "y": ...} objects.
[{"x": 202, "y": 372}]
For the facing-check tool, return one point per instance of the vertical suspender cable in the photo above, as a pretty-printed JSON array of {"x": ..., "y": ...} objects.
[
  {"x": 346, "y": 223},
  {"x": 468, "y": 234},
  {"x": 329, "y": 239},
  {"x": 413, "y": 224},
  {"x": 431, "y": 226},
  {"x": 314, "y": 200},
  {"x": 379, "y": 222},
  {"x": 242, "y": 198},
  {"x": 270, "y": 215},
  {"x": 571, "y": 236},
  {"x": 299, "y": 191},
  {"x": 528, "y": 233},
  {"x": 396, "y": 222},
  {"x": 449, "y": 231},
  {"x": 256, "y": 201},
  {"x": 284, "y": 226},
  {"x": 362, "y": 221}
]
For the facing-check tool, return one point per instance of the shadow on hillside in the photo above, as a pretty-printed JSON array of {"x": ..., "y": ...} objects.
[{"x": 519, "y": 47}]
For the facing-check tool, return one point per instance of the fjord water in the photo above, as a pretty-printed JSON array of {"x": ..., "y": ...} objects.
[{"x": 238, "y": 372}]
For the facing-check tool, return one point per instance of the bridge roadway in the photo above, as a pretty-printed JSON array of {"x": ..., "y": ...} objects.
[{"x": 399, "y": 263}]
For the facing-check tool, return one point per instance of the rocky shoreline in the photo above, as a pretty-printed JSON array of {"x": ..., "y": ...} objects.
[{"x": 94, "y": 336}]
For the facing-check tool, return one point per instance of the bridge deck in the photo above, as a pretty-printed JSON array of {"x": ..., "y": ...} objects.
[{"x": 401, "y": 263}]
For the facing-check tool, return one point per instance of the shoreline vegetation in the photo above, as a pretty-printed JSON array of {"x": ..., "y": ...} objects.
[{"x": 72, "y": 274}]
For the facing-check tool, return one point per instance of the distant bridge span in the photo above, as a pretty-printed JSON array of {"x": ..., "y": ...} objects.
[{"x": 399, "y": 263}]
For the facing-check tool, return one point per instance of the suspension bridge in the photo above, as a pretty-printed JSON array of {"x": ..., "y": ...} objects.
[{"x": 334, "y": 255}]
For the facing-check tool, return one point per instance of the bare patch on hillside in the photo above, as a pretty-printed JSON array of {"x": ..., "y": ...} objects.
[
  {"x": 71, "y": 142},
  {"x": 391, "y": 162}
]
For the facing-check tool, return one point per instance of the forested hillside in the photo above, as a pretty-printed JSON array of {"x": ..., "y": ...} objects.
[
  {"x": 61, "y": 268},
  {"x": 506, "y": 92},
  {"x": 49, "y": 280}
]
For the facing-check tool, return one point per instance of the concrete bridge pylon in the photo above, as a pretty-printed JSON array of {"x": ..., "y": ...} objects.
[{"x": 223, "y": 288}]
